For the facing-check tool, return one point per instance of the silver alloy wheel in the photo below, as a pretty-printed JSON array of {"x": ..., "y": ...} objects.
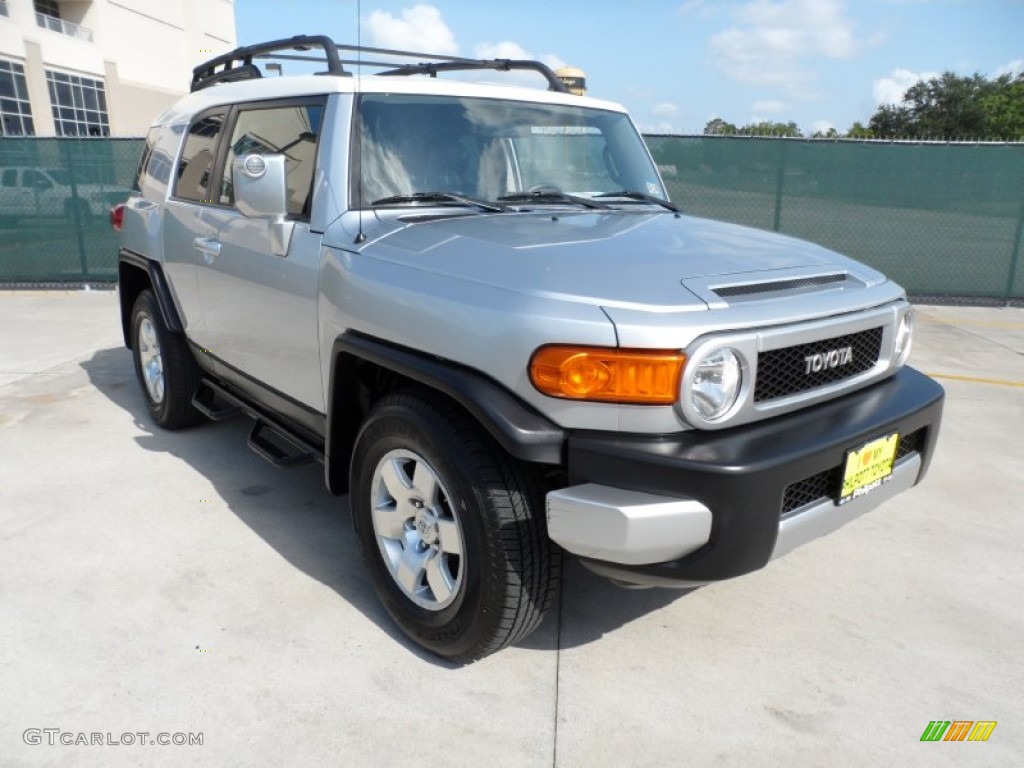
[
  {"x": 150, "y": 360},
  {"x": 417, "y": 530}
]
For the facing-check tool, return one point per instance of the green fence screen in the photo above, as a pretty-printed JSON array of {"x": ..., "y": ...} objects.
[
  {"x": 55, "y": 197},
  {"x": 944, "y": 220}
]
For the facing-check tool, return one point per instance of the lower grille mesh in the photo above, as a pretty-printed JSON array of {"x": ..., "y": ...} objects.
[{"x": 826, "y": 484}]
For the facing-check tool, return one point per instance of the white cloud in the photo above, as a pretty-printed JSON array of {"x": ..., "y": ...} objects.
[
  {"x": 821, "y": 126},
  {"x": 420, "y": 28},
  {"x": 507, "y": 49},
  {"x": 771, "y": 40},
  {"x": 772, "y": 106},
  {"x": 1014, "y": 67},
  {"x": 664, "y": 126},
  {"x": 665, "y": 109},
  {"x": 890, "y": 89}
]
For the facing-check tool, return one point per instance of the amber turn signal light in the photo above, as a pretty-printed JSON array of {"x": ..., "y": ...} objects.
[{"x": 611, "y": 375}]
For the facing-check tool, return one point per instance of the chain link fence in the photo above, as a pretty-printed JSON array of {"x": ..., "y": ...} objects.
[
  {"x": 944, "y": 220},
  {"x": 55, "y": 198}
]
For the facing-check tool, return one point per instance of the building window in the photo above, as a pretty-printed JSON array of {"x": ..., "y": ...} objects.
[
  {"x": 79, "y": 105},
  {"x": 48, "y": 17},
  {"x": 48, "y": 8},
  {"x": 15, "y": 110}
]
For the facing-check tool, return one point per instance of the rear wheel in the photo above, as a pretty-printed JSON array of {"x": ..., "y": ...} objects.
[
  {"x": 451, "y": 528},
  {"x": 164, "y": 366}
]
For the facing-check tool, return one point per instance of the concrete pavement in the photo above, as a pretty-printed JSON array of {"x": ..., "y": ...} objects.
[{"x": 174, "y": 582}]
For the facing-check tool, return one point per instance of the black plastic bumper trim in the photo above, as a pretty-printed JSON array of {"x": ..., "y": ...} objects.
[
  {"x": 741, "y": 474},
  {"x": 521, "y": 431}
]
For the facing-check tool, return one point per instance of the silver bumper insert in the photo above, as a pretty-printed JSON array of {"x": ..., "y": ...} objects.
[
  {"x": 627, "y": 527},
  {"x": 823, "y": 517}
]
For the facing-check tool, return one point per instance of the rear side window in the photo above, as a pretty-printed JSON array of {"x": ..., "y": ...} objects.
[
  {"x": 10, "y": 177},
  {"x": 195, "y": 169},
  {"x": 291, "y": 131},
  {"x": 144, "y": 160}
]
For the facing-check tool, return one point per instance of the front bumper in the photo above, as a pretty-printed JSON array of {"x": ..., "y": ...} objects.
[{"x": 764, "y": 488}]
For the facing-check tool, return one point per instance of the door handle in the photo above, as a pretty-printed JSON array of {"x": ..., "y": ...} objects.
[{"x": 207, "y": 246}]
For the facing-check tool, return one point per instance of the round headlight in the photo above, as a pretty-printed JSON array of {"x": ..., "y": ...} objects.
[
  {"x": 716, "y": 383},
  {"x": 904, "y": 338}
]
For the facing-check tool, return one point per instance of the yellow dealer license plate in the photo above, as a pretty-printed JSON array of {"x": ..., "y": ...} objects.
[{"x": 868, "y": 467}]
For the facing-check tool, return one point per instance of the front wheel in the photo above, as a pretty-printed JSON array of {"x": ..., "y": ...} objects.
[{"x": 451, "y": 529}]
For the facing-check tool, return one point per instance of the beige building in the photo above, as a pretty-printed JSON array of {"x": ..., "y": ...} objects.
[{"x": 102, "y": 67}]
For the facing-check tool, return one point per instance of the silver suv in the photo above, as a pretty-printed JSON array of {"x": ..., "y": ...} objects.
[{"x": 476, "y": 306}]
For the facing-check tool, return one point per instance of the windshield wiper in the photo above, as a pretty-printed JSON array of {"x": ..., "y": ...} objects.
[
  {"x": 642, "y": 196},
  {"x": 552, "y": 197},
  {"x": 441, "y": 197}
]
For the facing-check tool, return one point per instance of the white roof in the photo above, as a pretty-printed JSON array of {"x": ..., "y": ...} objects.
[{"x": 309, "y": 85}]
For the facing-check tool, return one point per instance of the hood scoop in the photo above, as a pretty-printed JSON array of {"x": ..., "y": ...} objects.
[
  {"x": 780, "y": 285},
  {"x": 739, "y": 290}
]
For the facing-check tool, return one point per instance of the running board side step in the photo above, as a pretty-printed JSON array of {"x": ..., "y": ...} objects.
[
  {"x": 280, "y": 448},
  {"x": 269, "y": 438},
  {"x": 214, "y": 403}
]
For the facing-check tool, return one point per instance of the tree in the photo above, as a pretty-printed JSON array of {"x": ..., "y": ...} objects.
[
  {"x": 1004, "y": 108},
  {"x": 770, "y": 128},
  {"x": 718, "y": 127},
  {"x": 859, "y": 131},
  {"x": 831, "y": 133},
  {"x": 955, "y": 107},
  {"x": 892, "y": 122}
]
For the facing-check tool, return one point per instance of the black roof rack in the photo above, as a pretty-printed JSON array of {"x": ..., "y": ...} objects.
[{"x": 238, "y": 65}]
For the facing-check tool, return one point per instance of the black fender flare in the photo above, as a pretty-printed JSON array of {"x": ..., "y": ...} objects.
[
  {"x": 519, "y": 429},
  {"x": 128, "y": 261}
]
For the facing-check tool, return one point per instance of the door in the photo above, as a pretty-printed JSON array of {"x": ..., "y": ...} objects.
[
  {"x": 260, "y": 310},
  {"x": 14, "y": 199}
]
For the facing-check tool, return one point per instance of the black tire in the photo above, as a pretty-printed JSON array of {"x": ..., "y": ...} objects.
[
  {"x": 170, "y": 404},
  {"x": 508, "y": 567}
]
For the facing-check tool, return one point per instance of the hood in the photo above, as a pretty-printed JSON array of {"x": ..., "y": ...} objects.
[{"x": 622, "y": 259}]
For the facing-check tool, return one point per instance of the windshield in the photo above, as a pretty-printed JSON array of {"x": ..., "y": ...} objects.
[{"x": 491, "y": 149}]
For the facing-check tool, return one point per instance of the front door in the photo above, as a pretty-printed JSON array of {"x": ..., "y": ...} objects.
[{"x": 260, "y": 310}]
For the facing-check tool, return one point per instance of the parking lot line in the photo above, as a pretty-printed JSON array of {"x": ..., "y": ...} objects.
[{"x": 977, "y": 379}]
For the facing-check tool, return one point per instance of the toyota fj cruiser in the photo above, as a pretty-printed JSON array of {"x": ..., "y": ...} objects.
[{"x": 476, "y": 306}]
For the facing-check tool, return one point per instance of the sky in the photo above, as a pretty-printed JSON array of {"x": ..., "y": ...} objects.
[{"x": 676, "y": 64}]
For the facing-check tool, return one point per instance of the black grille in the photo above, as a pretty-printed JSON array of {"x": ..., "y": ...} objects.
[
  {"x": 782, "y": 372},
  {"x": 812, "y": 489},
  {"x": 826, "y": 484},
  {"x": 909, "y": 444}
]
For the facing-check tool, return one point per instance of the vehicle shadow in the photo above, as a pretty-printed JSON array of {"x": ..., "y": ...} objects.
[{"x": 293, "y": 512}]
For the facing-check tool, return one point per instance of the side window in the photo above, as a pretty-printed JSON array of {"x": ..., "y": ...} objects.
[
  {"x": 144, "y": 160},
  {"x": 10, "y": 177},
  {"x": 36, "y": 180},
  {"x": 195, "y": 169},
  {"x": 291, "y": 131}
]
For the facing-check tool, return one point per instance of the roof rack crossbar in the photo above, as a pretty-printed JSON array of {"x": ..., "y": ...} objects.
[
  {"x": 207, "y": 73},
  {"x": 500, "y": 65},
  {"x": 237, "y": 65}
]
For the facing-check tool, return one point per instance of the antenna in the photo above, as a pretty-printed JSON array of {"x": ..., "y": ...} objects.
[{"x": 357, "y": 123}]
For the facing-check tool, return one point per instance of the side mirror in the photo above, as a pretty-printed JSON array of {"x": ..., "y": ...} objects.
[
  {"x": 261, "y": 186},
  {"x": 261, "y": 192}
]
